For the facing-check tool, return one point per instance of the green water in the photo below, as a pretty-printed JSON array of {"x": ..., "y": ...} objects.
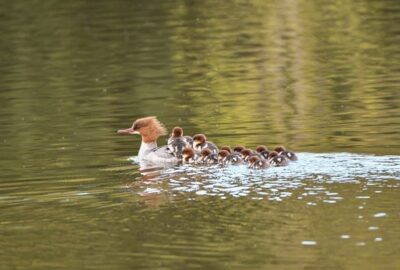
[{"x": 321, "y": 77}]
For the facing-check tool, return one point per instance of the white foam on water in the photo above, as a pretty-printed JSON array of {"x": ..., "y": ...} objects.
[
  {"x": 309, "y": 243},
  {"x": 379, "y": 215},
  {"x": 278, "y": 183}
]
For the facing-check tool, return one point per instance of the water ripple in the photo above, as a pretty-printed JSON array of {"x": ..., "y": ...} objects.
[{"x": 279, "y": 182}]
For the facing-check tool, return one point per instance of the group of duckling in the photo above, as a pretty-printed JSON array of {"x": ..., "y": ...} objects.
[{"x": 197, "y": 150}]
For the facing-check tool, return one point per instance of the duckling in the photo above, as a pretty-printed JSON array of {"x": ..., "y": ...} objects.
[
  {"x": 208, "y": 157},
  {"x": 277, "y": 160},
  {"x": 224, "y": 158},
  {"x": 189, "y": 140},
  {"x": 177, "y": 132},
  {"x": 238, "y": 148},
  {"x": 200, "y": 142},
  {"x": 261, "y": 148},
  {"x": 289, "y": 154},
  {"x": 265, "y": 154},
  {"x": 189, "y": 156},
  {"x": 177, "y": 142},
  {"x": 255, "y": 162},
  {"x": 245, "y": 154},
  {"x": 176, "y": 147},
  {"x": 227, "y": 148},
  {"x": 280, "y": 149}
]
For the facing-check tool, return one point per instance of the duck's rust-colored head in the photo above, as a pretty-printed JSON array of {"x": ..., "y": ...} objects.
[{"x": 148, "y": 127}]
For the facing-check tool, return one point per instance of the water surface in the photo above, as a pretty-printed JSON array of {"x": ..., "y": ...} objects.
[{"x": 321, "y": 78}]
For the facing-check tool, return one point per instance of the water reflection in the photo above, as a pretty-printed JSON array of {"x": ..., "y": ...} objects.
[{"x": 319, "y": 77}]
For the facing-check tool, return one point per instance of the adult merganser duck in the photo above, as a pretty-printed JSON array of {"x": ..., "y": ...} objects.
[
  {"x": 255, "y": 162},
  {"x": 281, "y": 150},
  {"x": 200, "y": 142},
  {"x": 150, "y": 129}
]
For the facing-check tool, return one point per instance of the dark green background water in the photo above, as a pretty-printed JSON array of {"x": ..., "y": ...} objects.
[{"x": 317, "y": 76}]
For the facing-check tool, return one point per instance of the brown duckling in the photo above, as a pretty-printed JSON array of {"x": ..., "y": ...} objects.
[
  {"x": 277, "y": 160},
  {"x": 189, "y": 156},
  {"x": 255, "y": 162},
  {"x": 288, "y": 154},
  {"x": 200, "y": 142},
  {"x": 227, "y": 148},
  {"x": 238, "y": 148},
  {"x": 224, "y": 158},
  {"x": 208, "y": 157}
]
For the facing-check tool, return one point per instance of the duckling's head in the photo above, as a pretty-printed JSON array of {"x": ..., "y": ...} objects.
[
  {"x": 199, "y": 139},
  {"x": 246, "y": 153},
  {"x": 188, "y": 152},
  {"x": 223, "y": 154},
  {"x": 253, "y": 159},
  {"x": 227, "y": 148},
  {"x": 177, "y": 132},
  {"x": 280, "y": 148},
  {"x": 205, "y": 152},
  {"x": 261, "y": 148},
  {"x": 273, "y": 154},
  {"x": 238, "y": 148}
]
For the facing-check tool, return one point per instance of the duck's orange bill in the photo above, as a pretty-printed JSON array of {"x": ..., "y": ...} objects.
[{"x": 127, "y": 131}]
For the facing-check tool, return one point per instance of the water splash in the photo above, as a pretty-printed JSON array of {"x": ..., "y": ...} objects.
[{"x": 280, "y": 182}]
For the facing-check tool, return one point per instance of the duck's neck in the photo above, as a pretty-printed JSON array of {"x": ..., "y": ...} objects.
[{"x": 146, "y": 148}]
